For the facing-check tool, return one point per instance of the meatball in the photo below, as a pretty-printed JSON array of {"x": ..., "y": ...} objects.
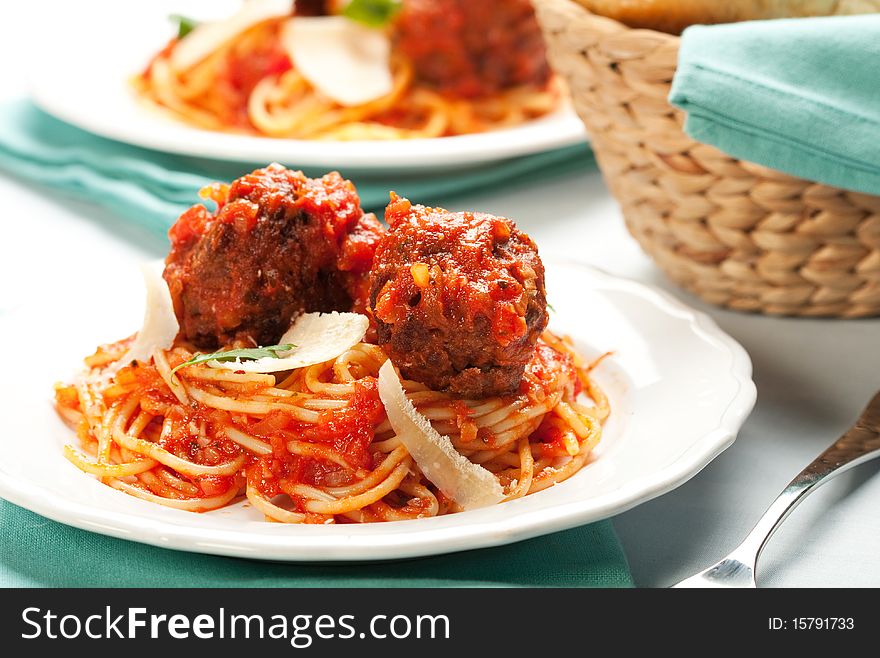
[
  {"x": 458, "y": 299},
  {"x": 471, "y": 49},
  {"x": 279, "y": 244}
]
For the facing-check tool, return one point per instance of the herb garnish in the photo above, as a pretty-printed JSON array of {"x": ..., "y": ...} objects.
[
  {"x": 245, "y": 354},
  {"x": 185, "y": 25},
  {"x": 374, "y": 13}
]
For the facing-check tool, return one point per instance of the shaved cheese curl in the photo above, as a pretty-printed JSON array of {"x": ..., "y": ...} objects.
[
  {"x": 206, "y": 38},
  {"x": 468, "y": 484},
  {"x": 160, "y": 325},
  {"x": 347, "y": 62}
]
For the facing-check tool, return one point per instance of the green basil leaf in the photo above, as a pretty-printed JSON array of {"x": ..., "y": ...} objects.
[
  {"x": 245, "y": 354},
  {"x": 373, "y": 13},
  {"x": 185, "y": 25}
]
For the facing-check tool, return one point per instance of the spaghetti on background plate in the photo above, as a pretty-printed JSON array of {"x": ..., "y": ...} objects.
[
  {"x": 359, "y": 70},
  {"x": 297, "y": 353}
]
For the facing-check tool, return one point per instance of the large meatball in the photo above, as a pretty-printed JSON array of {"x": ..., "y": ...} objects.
[
  {"x": 473, "y": 48},
  {"x": 458, "y": 298},
  {"x": 279, "y": 244}
]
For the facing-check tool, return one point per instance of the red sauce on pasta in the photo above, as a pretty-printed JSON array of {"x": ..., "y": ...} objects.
[{"x": 348, "y": 431}]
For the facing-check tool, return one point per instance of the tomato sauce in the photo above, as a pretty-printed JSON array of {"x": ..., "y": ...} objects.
[
  {"x": 242, "y": 72},
  {"x": 348, "y": 432},
  {"x": 550, "y": 371}
]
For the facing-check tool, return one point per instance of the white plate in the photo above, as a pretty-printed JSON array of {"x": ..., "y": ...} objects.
[
  {"x": 80, "y": 76},
  {"x": 679, "y": 389}
]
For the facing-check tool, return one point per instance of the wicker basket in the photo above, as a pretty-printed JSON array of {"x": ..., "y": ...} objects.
[{"x": 735, "y": 233}]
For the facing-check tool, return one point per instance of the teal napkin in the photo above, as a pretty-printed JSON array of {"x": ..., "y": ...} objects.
[
  {"x": 150, "y": 189},
  {"x": 36, "y": 552},
  {"x": 801, "y": 96}
]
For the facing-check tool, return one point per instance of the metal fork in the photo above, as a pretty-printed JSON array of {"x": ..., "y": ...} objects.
[{"x": 859, "y": 444}]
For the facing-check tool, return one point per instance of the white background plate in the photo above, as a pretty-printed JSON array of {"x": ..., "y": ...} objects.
[
  {"x": 79, "y": 73},
  {"x": 679, "y": 388}
]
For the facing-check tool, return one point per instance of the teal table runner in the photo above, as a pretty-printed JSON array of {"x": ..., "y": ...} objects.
[{"x": 151, "y": 189}]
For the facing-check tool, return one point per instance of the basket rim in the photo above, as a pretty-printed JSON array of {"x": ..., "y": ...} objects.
[{"x": 611, "y": 22}]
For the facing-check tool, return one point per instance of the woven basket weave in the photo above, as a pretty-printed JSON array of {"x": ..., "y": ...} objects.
[{"x": 735, "y": 233}]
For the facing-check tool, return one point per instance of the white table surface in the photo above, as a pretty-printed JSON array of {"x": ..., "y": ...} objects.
[{"x": 813, "y": 376}]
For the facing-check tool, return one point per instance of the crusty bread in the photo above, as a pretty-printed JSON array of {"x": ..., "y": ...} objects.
[{"x": 675, "y": 15}]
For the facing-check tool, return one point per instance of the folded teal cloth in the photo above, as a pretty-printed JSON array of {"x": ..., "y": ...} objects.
[
  {"x": 151, "y": 189},
  {"x": 801, "y": 96},
  {"x": 36, "y": 552}
]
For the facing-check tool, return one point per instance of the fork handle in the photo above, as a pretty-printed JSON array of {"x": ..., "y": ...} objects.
[{"x": 859, "y": 444}]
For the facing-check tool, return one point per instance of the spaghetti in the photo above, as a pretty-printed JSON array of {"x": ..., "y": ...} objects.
[
  {"x": 249, "y": 85},
  {"x": 314, "y": 445}
]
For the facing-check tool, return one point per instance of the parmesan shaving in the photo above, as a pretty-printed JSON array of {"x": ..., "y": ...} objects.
[
  {"x": 160, "y": 325},
  {"x": 318, "y": 337},
  {"x": 346, "y": 61},
  {"x": 468, "y": 484},
  {"x": 206, "y": 38}
]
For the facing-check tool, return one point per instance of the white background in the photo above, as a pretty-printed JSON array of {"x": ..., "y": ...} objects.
[{"x": 813, "y": 376}]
